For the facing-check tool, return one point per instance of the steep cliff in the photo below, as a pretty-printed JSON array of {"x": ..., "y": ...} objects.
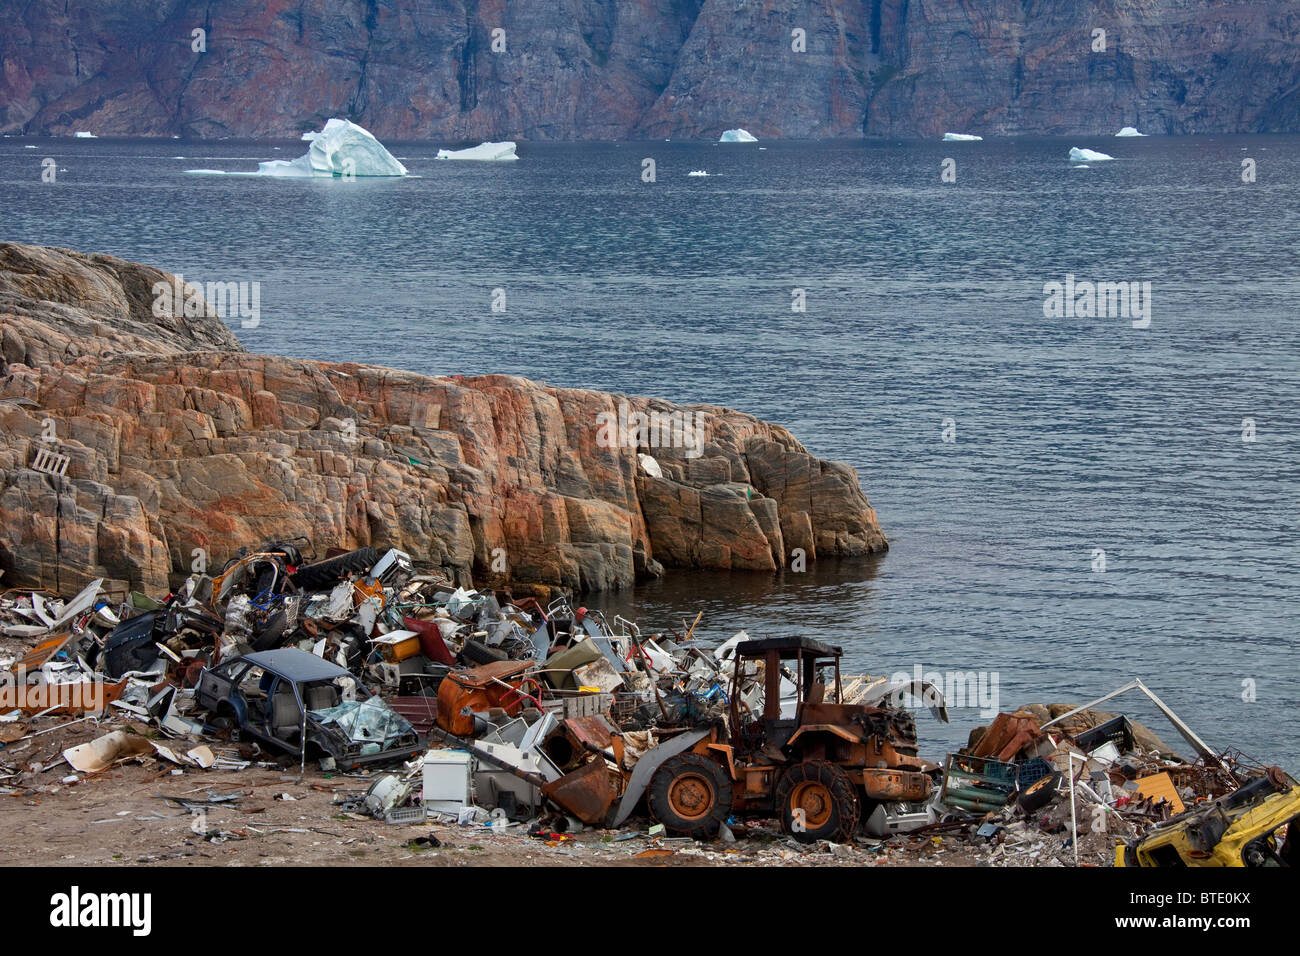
[
  {"x": 177, "y": 439},
  {"x": 617, "y": 69}
]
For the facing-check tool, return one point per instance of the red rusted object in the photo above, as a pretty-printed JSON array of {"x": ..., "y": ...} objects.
[
  {"x": 431, "y": 642},
  {"x": 461, "y": 693},
  {"x": 1007, "y": 736},
  {"x": 420, "y": 712},
  {"x": 586, "y": 793}
]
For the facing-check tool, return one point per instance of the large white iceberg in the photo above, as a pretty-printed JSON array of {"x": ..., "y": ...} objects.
[
  {"x": 341, "y": 148},
  {"x": 737, "y": 136},
  {"x": 484, "y": 152},
  {"x": 1129, "y": 131},
  {"x": 82, "y": 134},
  {"x": 962, "y": 138},
  {"x": 1078, "y": 155}
]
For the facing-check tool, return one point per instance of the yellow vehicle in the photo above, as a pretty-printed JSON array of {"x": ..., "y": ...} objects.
[{"x": 1256, "y": 825}]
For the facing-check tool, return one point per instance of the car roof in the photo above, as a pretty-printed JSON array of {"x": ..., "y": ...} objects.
[{"x": 296, "y": 665}]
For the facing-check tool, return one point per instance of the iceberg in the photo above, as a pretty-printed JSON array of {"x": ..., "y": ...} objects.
[
  {"x": 1129, "y": 131},
  {"x": 962, "y": 138},
  {"x": 1078, "y": 155},
  {"x": 82, "y": 134},
  {"x": 341, "y": 147},
  {"x": 737, "y": 136},
  {"x": 483, "y": 152}
]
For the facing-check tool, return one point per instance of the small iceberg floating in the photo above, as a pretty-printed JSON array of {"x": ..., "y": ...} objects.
[
  {"x": 737, "y": 136},
  {"x": 82, "y": 134},
  {"x": 341, "y": 148},
  {"x": 1129, "y": 131},
  {"x": 962, "y": 138},
  {"x": 698, "y": 172},
  {"x": 1078, "y": 155},
  {"x": 484, "y": 152}
]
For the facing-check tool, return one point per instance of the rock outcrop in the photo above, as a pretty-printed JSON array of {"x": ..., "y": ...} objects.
[
  {"x": 620, "y": 69},
  {"x": 182, "y": 446}
]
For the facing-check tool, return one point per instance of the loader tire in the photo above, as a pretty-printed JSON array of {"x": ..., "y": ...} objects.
[
  {"x": 691, "y": 795},
  {"x": 325, "y": 574},
  {"x": 816, "y": 801}
]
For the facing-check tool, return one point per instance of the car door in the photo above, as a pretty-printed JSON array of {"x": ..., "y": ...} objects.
[
  {"x": 285, "y": 715},
  {"x": 215, "y": 684}
]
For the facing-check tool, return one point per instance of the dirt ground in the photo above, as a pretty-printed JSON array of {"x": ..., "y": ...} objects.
[{"x": 119, "y": 817}]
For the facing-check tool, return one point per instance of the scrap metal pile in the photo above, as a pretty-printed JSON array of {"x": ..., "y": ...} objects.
[
  {"x": 488, "y": 710},
  {"x": 1043, "y": 785}
]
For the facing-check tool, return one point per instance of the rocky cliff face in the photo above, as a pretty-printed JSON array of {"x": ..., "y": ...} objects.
[
  {"x": 181, "y": 446},
  {"x": 618, "y": 69}
]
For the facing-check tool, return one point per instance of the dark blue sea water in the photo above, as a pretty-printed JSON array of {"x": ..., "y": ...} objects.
[{"x": 924, "y": 303}]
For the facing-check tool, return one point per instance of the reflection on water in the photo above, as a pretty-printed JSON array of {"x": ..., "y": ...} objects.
[{"x": 817, "y": 601}]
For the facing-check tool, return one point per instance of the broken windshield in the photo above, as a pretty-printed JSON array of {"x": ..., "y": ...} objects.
[{"x": 369, "y": 721}]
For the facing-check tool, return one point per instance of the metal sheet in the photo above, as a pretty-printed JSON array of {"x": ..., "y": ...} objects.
[
  {"x": 586, "y": 793},
  {"x": 650, "y": 762}
]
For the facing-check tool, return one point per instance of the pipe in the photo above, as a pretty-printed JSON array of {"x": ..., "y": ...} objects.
[{"x": 486, "y": 757}]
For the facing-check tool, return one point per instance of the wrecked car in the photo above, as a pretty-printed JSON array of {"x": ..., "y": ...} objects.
[{"x": 292, "y": 700}]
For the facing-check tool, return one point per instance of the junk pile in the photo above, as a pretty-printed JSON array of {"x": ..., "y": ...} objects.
[
  {"x": 488, "y": 711},
  {"x": 1060, "y": 784},
  {"x": 612, "y": 724}
]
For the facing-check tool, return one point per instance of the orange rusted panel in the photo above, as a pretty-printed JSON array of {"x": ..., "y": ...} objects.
[
  {"x": 586, "y": 792},
  {"x": 723, "y": 752},
  {"x": 41, "y": 653},
  {"x": 848, "y": 733},
  {"x": 1007, "y": 736},
  {"x": 895, "y": 786},
  {"x": 478, "y": 689},
  {"x": 89, "y": 697}
]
